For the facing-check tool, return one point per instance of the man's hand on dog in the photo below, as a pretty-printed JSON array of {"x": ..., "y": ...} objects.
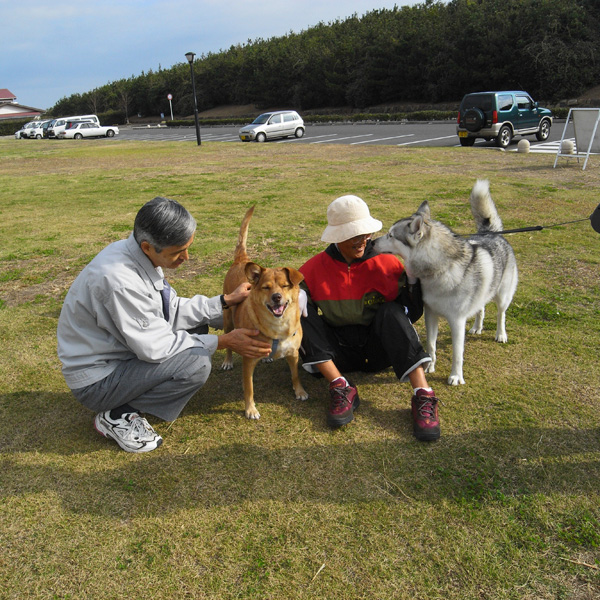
[
  {"x": 243, "y": 342},
  {"x": 239, "y": 294}
]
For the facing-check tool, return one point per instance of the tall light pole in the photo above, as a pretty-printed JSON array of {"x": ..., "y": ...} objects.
[{"x": 190, "y": 58}]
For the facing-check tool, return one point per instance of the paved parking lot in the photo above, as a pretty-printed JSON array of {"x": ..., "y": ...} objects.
[
  {"x": 438, "y": 134},
  {"x": 435, "y": 134}
]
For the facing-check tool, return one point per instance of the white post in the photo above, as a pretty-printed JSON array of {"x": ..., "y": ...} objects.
[{"x": 170, "y": 97}]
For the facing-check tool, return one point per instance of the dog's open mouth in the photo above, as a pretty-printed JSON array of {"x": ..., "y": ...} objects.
[{"x": 277, "y": 309}]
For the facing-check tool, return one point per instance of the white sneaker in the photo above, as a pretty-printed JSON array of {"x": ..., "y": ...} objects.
[{"x": 132, "y": 432}]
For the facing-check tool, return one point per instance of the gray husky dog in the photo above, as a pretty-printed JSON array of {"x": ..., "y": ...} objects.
[{"x": 459, "y": 276}]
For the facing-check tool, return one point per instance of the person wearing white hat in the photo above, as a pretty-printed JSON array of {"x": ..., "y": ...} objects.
[{"x": 361, "y": 306}]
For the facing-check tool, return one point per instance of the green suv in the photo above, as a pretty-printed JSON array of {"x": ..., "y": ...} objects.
[{"x": 500, "y": 116}]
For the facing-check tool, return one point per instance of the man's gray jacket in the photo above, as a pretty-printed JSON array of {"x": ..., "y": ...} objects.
[{"x": 113, "y": 312}]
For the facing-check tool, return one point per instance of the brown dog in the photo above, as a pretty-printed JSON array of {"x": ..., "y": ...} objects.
[{"x": 271, "y": 307}]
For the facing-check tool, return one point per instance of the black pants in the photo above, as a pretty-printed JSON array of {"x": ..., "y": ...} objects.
[{"x": 389, "y": 341}]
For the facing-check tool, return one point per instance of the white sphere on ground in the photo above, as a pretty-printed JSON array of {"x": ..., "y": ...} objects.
[{"x": 567, "y": 147}]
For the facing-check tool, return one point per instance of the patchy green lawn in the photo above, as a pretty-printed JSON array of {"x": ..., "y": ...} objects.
[{"x": 504, "y": 506}]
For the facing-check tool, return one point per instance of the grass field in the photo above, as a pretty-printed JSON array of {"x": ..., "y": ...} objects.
[{"x": 506, "y": 505}]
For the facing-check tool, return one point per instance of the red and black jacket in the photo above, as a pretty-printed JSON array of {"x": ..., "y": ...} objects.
[{"x": 350, "y": 294}]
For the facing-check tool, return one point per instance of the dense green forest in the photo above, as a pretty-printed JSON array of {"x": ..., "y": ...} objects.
[{"x": 430, "y": 53}]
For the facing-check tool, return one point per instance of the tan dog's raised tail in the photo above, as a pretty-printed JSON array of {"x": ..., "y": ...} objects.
[{"x": 271, "y": 307}]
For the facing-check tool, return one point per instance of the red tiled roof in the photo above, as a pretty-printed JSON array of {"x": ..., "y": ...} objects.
[{"x": 6, "y": 94}]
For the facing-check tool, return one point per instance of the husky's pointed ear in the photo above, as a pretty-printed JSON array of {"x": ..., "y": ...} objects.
[
  {"x": 424, "y": 210},
  {"x": 416, "y": 225}
]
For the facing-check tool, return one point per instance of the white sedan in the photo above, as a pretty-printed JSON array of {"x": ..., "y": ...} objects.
[{"x": 81, "y": 130}]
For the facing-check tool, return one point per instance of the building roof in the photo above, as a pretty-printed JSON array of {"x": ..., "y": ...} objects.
[
  {"x": 6, "y": 95},
  {"x": 11, "y": 110}
]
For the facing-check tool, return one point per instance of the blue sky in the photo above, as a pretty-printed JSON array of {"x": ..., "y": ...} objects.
[{"x": 51, "y": 50}]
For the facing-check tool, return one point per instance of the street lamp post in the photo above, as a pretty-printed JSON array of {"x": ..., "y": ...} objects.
[{"x": 190, "y": 58}]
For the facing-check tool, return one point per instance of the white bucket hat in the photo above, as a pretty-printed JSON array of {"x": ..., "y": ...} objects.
[{"x": 348, "y": 216}]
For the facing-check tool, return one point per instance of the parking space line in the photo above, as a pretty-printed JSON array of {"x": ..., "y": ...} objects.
[
  {"x": 306, "y": 138},
  {"x": 382, "y": 139},
  {"x": 446, "y": 137},
  {"x": 221, "y": 138},
  {"x": 351, "y": 137}
]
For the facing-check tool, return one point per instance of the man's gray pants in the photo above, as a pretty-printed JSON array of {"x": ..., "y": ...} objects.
[{"x": 160, "y": 389}]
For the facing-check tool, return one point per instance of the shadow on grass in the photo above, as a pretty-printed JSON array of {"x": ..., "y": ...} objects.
[{"x": 91, "y": 475}]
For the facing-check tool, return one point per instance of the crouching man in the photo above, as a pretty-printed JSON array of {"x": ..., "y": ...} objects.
[{"x": 128, "y": 344}]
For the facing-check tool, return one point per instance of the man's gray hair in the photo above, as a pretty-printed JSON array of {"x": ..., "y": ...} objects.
[{"x": 163, "y": 222}]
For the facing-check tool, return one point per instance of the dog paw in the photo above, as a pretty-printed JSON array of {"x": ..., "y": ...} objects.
[
  {"x": 430, "y": 368},
  {"x": 476, "y": 330},
  {"x": 301, "y": 394},
  {"x": 266, "y": 360},
  {"x": 226, "y": 366},
  {"x": 456, "y": 380},
  {"x": 252, "y": 414},
  {"x": 502, "y": 338}
]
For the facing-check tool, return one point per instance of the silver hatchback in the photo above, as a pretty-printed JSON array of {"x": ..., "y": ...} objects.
[{"x": 268, "y": 126}]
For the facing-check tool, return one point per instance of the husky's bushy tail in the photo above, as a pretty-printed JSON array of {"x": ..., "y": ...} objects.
[{"x": 483, "y": 208}]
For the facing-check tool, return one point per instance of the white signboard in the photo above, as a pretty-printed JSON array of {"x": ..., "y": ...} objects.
[{"x": 587, "y": 133}]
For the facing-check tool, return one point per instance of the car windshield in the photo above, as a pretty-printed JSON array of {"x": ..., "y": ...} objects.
[{"x": 261, "y": 119}]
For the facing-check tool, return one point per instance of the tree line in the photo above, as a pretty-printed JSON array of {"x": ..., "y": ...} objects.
[{"x": 429, "y": 53}]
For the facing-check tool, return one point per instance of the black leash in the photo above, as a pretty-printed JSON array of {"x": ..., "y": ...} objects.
[{"x": 594, "y": 218}]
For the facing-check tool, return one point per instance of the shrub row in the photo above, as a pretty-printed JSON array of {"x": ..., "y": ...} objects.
[
  {"x": 425, "y": 115},
  {"x": 12, "y": 126},
  {"x": 419, "y": 115}
]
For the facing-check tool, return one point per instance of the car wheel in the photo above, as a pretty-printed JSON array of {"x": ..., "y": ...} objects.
[
  {"x": 38, "y": 137},
  {"x": 299, "y": 132},
  {"x": 504, "y": 137},
  {"x": 261, "y": 137},
  {"x": 544, "y": 131},
  {"x": 467, "y": 141},
  {"x": 473, "y": 120},
  {"x": 110, "y": 133},
  {"x": 78, "y": 136}
]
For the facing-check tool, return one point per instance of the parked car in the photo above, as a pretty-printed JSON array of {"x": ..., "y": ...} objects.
[
  {"x": 59, "y": 126},
  {"x": 50, "y": 130},
  {"x": 500, "y": 116},
  {"x": 48, "y": 126},
  {"x": 85, "y": 129},
  {"x": 267, "y": 126},
  {"x": 24, "y": 131},
  {"x": 36, "y": 131},
  {"x": 62, "y": 123},
  {"x": 54, "y": 128}
]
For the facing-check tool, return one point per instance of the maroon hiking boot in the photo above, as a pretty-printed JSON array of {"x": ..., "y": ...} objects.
[
  {"x": 426, "y": 424},
  {"x": 344, "y": 401}
]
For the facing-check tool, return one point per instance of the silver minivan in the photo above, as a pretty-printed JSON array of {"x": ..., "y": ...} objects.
[{"x": 278, "y": 124}]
